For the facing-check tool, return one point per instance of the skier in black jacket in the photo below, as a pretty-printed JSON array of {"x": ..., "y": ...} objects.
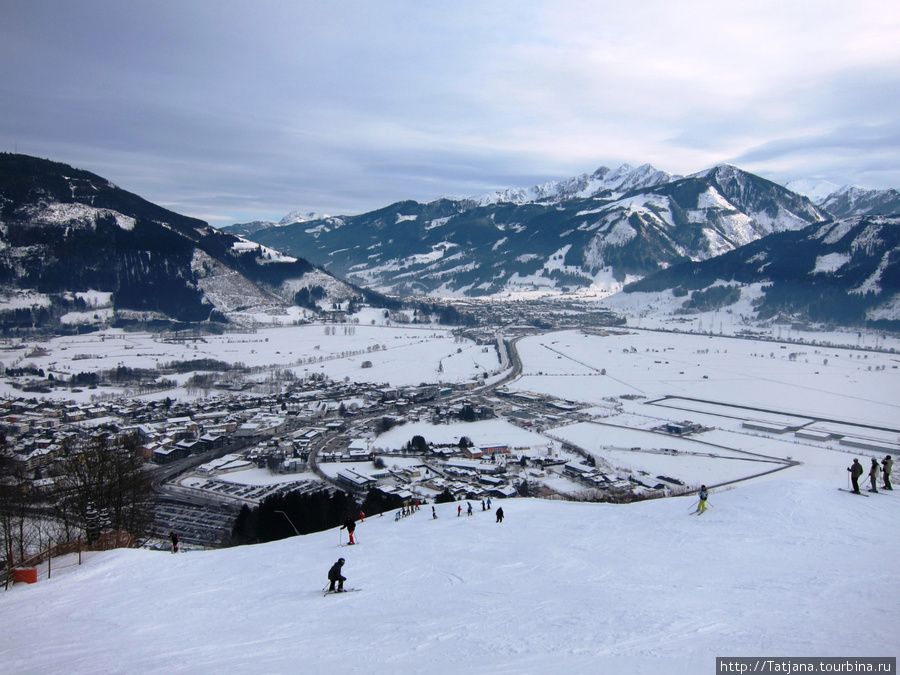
[
  {"x": 350, "y": 524},
  {"x": 335, "y": 576}
]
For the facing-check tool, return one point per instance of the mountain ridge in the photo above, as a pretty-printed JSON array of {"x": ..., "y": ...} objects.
[
  {"x": 845, "y": 272},
  {"x": 567, "y": 234},
  {"x": 66, "y": 232}
]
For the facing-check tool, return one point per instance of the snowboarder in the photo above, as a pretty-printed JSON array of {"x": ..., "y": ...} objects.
[
  {"x": 335, "y": 576},
  {"x": 856, "y": 471},
  {"x": 469, "y": 510},
  {"x": 704, "y": 495},
  {"x": 350, "y": 524},
  {"x": 873, "y": 475},
  {"x": 886, "y": 465},
  {"x": 500, "y": 515},
  {"x": 433, "y": 513},
  {"x": 174, "y": 538}
]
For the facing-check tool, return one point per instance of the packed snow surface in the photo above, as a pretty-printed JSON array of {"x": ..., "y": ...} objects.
[{"x": 789, "y": 567}]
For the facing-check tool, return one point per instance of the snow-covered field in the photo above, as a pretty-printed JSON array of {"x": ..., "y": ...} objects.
[
  {"x": 723, "y": 384},
  {"x": 399, "y": 355},
  {"x": 841, "y": 383}
]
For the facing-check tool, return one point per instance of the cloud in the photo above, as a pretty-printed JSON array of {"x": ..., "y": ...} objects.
[{"x": 240, "y": 111}]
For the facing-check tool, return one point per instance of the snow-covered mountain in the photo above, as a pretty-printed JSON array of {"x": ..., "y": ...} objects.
[
  {"x": 247, "y": 229},
  {"x": 845, "y": 272},
  {"x": 598, "y": 229},
  {"x": 815, "y": 189},
  {"x": 781, "y": 567},
  {"x": 604, "y": 182},
  {"x": 848, "y": 201},
  {"x": 67, "y": 235}
]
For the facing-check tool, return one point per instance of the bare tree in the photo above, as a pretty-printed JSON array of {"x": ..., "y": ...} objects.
[
  {"x": 15, "y": 506},
  {"x": 106, "y": 473}
]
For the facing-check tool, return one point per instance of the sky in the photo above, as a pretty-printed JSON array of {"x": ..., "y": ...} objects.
[{"x": 236, "y": 111}]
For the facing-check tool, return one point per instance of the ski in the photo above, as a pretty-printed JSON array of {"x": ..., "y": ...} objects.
[
  {"x": 852, "y": 492},
  {"x": 346, "y": 590}
]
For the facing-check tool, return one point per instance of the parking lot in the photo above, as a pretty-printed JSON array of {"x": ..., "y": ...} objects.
[{"x": 196, "y": 525}]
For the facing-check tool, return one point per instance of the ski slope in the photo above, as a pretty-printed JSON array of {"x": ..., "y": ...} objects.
[{"x": 788, "y": 567}]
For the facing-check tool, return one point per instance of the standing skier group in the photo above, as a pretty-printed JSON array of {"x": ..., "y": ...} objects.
[{"x": 883, "y": 469}]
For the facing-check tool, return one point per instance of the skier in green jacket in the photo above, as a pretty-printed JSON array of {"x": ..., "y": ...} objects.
[{"x": 886, "y": 465}]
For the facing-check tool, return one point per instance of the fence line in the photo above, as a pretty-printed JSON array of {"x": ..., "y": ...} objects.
[{"x": 107, "y": 541}]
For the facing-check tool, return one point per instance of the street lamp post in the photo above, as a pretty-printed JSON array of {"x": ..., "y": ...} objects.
[{"x": 296, "y": 531}]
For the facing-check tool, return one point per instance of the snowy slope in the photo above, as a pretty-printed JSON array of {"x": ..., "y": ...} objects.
[{"x": 776, "y": 568}]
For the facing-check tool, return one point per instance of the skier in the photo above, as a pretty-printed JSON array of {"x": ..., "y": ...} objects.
[
  {"x": 433, "y": 513},
  {"x": 469, "y": 510},
  {"x": 482, "y": 506},
  {"x": 489, "y": 503},
  {"x": 856, "y": 471},
  {"x": 335, "y": 576},
  {"x": 174, "y": 538},
  {"x": 350, "y": 524},
  {"x": 459, "y": 511},
  {"x": 701, "y": 507},
  {"x": 873, "y": 475},
  {"x": 500, "y": 515},
  {"x": 886, "y": 465}
]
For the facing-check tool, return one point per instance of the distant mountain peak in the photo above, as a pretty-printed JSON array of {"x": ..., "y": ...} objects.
[
  {"x": 849, "y": 200},
  {"x": 604, "y": 181},
  {"x": 817, "y": 190},
  {"x": 300, "y": 217}
]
